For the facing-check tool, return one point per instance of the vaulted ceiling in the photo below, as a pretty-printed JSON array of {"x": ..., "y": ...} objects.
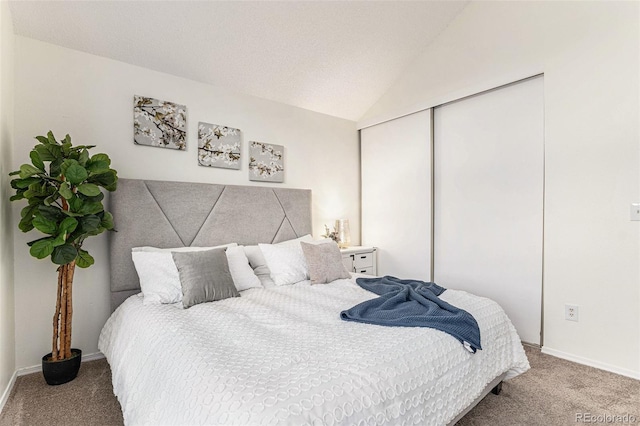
[{"x": 333, "y": 57}]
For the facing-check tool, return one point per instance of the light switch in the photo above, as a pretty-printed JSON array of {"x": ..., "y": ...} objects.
[{"x": 635, "y": 211}]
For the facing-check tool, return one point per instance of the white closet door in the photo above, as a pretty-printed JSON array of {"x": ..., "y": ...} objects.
[
  {"x": 488, "y": 216},
  {"x": 396, "y": 194}
]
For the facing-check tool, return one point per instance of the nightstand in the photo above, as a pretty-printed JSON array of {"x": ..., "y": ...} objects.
[{"x": 362, "y": 260}]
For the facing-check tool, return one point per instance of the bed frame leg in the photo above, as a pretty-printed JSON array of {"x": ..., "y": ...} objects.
[{"x": 497, "y": 389}]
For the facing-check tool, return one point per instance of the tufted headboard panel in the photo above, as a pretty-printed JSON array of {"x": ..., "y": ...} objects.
[{"x": 177, "y": 214}]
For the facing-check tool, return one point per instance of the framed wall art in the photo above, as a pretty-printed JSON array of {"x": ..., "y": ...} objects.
[
  {"x": 159, "y": 123},
  {"x": 266, "y": 162},
  {"x": 219, "y": 146}
]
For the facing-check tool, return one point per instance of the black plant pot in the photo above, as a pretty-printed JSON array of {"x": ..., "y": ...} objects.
[{"x": 59, "y": 372}]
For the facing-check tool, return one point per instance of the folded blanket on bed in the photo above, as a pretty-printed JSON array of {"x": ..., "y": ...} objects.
[{"x": 413, "y": 303}]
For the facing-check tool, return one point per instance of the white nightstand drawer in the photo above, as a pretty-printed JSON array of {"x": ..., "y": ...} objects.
[
  {"x": 366, "y": 271},
  {"x": 362, "y": 261}
]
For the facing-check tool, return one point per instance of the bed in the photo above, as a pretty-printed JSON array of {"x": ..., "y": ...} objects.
[{"x": 278, "y": 355}]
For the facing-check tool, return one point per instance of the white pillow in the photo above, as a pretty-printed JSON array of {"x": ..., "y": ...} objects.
[
  {"x": 286, "y": 261},
  {"x": 259, "y": 264},
  {"x": 241, "y": 271},
  {"x": 159, "y": 278}
]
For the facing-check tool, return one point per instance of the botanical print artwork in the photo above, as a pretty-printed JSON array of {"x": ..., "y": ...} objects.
[
  {"x": 218, "y": 146},
  {"x": 159, "y": 123},
  {"x": 266, "y": 162}
]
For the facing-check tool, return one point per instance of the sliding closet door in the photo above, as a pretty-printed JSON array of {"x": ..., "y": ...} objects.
[
  {"x": 396, "y": 194},
  {"x": 488, "y": 197}
]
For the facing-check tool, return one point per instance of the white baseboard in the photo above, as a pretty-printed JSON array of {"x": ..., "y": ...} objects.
[
  {"x": 35, "y": 369},
  {"x": 591, "y": 363},
  {"x": 7, "y": 391}
]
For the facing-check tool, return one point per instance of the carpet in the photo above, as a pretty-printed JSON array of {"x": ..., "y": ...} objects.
[{"x": 553, "y": 392}]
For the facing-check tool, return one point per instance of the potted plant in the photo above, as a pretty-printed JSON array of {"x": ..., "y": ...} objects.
[{"x": 62, "y": 187}]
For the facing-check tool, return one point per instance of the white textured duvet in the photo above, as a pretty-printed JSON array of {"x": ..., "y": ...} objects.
[{"x": 283, "y": 356}]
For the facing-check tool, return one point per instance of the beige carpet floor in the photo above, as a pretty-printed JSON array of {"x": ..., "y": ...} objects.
[{"x": 553, "y": 392}]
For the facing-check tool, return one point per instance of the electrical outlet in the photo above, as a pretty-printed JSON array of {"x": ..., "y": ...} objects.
[{"x": 571, "y": 312}]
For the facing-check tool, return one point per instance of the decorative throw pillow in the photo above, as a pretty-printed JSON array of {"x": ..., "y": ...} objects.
[
  {"x": 324, "y": 262},
  {"x": 159, "y": 279},
  {"x": 241, "y": 271},
  {"x": 259, "y": 264},
  {"x": 204, "y": 276}
]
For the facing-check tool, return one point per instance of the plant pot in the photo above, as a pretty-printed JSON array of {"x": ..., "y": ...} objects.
[{"x": 59, "y": 372}]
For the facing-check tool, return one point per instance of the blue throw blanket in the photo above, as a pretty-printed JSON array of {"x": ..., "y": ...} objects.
[{"x": 412, "y": 303}]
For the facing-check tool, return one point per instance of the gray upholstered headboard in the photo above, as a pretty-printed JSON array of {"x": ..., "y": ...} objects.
[{"x": 176, "y": 214}]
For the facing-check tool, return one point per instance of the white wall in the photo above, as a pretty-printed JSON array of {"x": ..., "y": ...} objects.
[
  {"x": 589, "y": 54},
  {"x": 91, "y": 98},
  {"x": 7, "y": 341}
]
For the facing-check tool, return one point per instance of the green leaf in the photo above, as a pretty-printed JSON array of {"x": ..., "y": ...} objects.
[
  {"x": 50, "y": 212},
  {"x": 15, "y": 172},
  {"x": 54, "y": 167},
  {"x": 89, "y": 223},
  {"x": 97, "y": 167},
  {"x": 76, "y": 204},
  {"x": 51, "y": 138},
  {"x": 66, "y": 164},
  {"x": 95, "y": 199},
  {"x": 42, "y": 248},
  {"x": 27, "y": 170},
  {"x": 66, "y": 148},
  {"x": 24, "y": 183},
  {"x": 19, "y": 196},
  {"x": 67, "y": 139},
  {"x": 65, "y": 191},
  {"x": 107, "y": 221},
  {"x": 101, "y": 157},
  {"x": 71, "y": 214},
  {"x": 75, "y": 173},
  {"x": 36, "y": 160},
  {"x": 44, "y": 225},
  {"x": 26, "y": 224},
  {"x": 28, "y": 211},
  {"x": 83, "y": 158},
  {"x": 64, "y": 254},
  {"x": 42, "y": 139},
  {"x": 108, "y": 180},
  {"x": 30, "y": 243},
  {"x": 84, "y": 259},
  {"x": 91, "y": 208},
  {"x": 68, "y": 225},
  {"x": 48, "y": 152},
  {"x": 89, "y": 189}
]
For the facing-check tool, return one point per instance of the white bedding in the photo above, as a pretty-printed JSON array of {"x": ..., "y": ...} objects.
[{"x": 283, "y": 356}]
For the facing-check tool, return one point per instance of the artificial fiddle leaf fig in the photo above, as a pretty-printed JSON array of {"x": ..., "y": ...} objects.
[
  {"x": 83, "y": 157},
  {"x": 64, "y": 254},
  {"x": 46, "y": 152},
  {"x": 75, "y": 174},
  {"x": 89, "y": 189},
  {"x": 65, "y": 191},
  {"x": 64, "y": 202},
  {"x": 36, "y": 160},
  {"x": 27, "y": 170},
  {"x": 41, "y": 249},
  {"x": 84, "y": 259}
]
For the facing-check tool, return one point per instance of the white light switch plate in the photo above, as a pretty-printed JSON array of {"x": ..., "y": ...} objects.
[{"x": 635, "y": 211}]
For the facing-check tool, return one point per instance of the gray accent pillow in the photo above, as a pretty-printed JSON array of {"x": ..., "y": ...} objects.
[
  {"x": 204, "y": 276},
  {"x": 324, "y": 262}
]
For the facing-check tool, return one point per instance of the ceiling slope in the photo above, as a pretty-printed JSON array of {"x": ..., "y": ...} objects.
[{"x": 333, "y": 57}]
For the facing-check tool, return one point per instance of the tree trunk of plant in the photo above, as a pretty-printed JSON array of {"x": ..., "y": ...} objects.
[{"x": 61, "y": 342}]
